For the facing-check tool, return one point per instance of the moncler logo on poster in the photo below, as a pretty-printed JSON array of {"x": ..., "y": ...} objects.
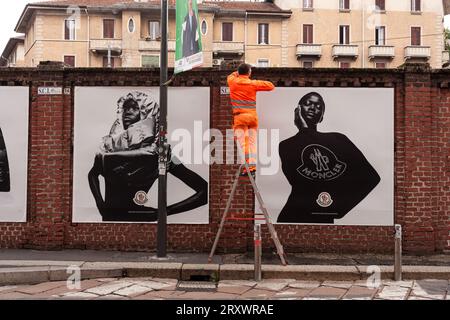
[
  {"x": 320, "y": 164},
  {"x": 324, "y": 200},
  {"x": 140, "y": 198}
]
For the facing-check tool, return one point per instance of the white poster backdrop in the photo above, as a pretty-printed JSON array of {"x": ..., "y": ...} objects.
[
  {"x": 95, "y": 112},
  {"x": 364, "y": 115},
  {"x": 14, "y": 126}
]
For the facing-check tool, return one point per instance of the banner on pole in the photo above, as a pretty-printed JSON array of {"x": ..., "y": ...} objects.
[{"x": 188, "y": 53}]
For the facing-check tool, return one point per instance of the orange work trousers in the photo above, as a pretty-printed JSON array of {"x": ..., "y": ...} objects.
[{"x": 245, "y": 130}]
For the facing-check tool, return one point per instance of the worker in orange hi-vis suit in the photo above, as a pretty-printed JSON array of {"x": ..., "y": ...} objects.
[{"x": 243, "y": 102}]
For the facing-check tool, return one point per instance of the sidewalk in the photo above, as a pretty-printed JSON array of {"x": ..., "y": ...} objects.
[{"x": 30, "y": 267}]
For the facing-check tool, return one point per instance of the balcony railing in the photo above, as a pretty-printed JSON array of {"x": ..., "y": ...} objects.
[
  {"x": 228, "y": 47},
  {"x": 155, "y": 45},
  {"x": 421, "y": 52},
  {"x": 105, "y": 44},
  {"x": 345, "y": 50},
  {"x": 381, "y": 52},
  {"x": 310, "y": 50}
]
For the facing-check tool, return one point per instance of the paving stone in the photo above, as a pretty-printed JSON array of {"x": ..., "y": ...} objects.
[
  {"x": 245, "y": 283},
  {"x": 327, "y": 293},
  {"x": 433, "y": 289},
  {"x": 273, "y": 285},
  {"x": 158, "y": 295},
  {"x": 111, "y": 297},
  {"x": 292, "y": 293},
  {"x": 418, "y": 298},
  {"x": 6, "y": 289},
  {"x": 132, "y": 291},
  {"x": 221, "y": 296},
  {"x": 42, "y": 287},
  {"x": 15, "y": 296},
  {"x": 360, "y": 293},
  {"x": 393, "y": 293},
  {"x": 257, "y": 294},
  {"x": 367, "y": 284},
  {"x": 53, "y": 293},
  {"x": 195, "y": 295},
  {"x": 304, "y": 284},
  {"x": 109, "y": 287},
  {"x": 80, "y": 295},
  {"x": 87, "y": 284},
  {"x": 338, "y": 284},
  {"x": 155, "y": 285},
  {"x": 404, "y": 283},
  {"x": 107, "y": 279},
  {"x": 229, "y": 288}
]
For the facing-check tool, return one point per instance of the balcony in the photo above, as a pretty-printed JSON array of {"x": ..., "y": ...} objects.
[
  {"x": 309, "y": 50},
  {"x": 381, "y": 52},
  {"x": 417, "y": 52},
  {"x": 103, "y": 45},
  {"x": 155, "y": 45},
  {"x": 230, "y": 48},
  {"x": 345, "y": 50}
]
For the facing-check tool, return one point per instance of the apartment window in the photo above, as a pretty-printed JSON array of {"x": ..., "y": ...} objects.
[
  {"x": 308, "y": 64},
  {"x": 108, "y": 28},
  {"x": 263, "y": 33},
  {"x": 380, "y": 4},
  {"x": 416, "y": 6},
  {"x": 227, "y": 31},
  {"x": 416, "y": 36},
  {"x": 263, "y": 63},
  {"x": 344, "y": 34},
  {"x": 105, "y": 62},
  {"x": 69, "y": 60},
  {"x": 69, "y": 29},
  {"x": 308, "y": 34},
  {"x": 131, "y": 25},
  {"x": 150, "y": 61},
  {"x": 344, "y": 5},
  {"x": 380, "y": 65},
  {"x": 380, "y": 36},
  {"x": 344, "y": 65},
  {"x": 204, "y": 27},
  {"x": 307, "y": 4},
  {"x": 154, "y": 31}
]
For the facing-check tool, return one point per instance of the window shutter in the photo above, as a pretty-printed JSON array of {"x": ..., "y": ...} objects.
[
  {"x": 415, "y": 36},
  {"x": 108, "y": 28},
  {"x": 227, "y": 31}
]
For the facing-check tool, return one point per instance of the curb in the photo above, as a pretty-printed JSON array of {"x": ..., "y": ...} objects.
[{"x": 27, "y": 273}]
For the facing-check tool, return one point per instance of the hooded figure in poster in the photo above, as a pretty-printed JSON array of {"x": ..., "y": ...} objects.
[
  {"x": 5, "y": 185},
  {"x": 329, "y": 175},
  {"x": 128, "y": 160}
]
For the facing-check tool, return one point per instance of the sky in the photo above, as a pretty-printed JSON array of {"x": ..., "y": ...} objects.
[{"x": 9, "y": 15}]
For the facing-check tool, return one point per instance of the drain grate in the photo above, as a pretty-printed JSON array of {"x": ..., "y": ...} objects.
[{"x": 197, "y": 286}]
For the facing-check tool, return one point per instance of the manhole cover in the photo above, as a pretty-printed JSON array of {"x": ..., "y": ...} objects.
[{"x": 197, "y": 286}]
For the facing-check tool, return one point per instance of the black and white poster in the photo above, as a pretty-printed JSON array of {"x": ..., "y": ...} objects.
[
  {"x": 326, "y": 155},
  {"x": 116, "y": 155},
  {"x": 13, "y": 153}
]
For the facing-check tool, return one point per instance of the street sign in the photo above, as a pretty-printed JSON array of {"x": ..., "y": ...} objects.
[{"x": 50, "y": 90}]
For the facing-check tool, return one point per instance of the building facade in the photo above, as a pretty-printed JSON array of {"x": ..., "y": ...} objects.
[
  {"x": 14, "y": 53},
  {"x": 287, "y": 33}
]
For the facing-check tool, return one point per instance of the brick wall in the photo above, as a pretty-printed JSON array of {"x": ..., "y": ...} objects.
[{"x": 422, "y": 163}]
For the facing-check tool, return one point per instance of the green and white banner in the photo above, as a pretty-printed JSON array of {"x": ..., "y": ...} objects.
[{"x": 188, "y": 53}]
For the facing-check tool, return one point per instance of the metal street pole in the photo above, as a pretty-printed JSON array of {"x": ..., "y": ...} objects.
[{"x": 163, "y": 147}]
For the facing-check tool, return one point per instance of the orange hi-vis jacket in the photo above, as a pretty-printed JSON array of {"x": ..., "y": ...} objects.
[{"x": 243, "y": 92}]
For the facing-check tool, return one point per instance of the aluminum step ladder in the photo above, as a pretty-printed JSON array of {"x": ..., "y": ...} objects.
[{"x": 272, "y": 230}]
